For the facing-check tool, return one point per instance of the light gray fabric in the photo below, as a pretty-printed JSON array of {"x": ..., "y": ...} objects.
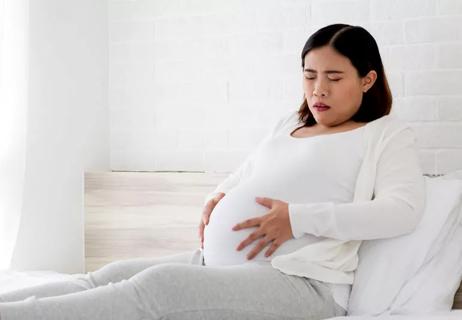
[{"x": 175, "y": 287}]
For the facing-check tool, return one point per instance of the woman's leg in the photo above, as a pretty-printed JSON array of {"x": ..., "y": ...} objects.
[
  {"x": 112, "y": 272},
  {"x": 180, "y": 291}
]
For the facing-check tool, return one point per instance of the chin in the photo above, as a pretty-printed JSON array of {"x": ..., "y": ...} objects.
[{"x": 322, "y": 121}]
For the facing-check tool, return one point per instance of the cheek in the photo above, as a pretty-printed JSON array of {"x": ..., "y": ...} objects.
[
  {"x": 352, "y": 98},
  {"x": 349, "y": 92},
  {"x": 307, "y": 87}
]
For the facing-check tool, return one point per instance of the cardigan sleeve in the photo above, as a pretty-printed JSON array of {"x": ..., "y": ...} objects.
[
  {"x": 395, "y": 208},
  {"x": 244, "y": 170}
]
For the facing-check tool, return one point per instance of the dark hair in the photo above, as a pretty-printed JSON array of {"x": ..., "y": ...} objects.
[{"x": 358, "y": 45}]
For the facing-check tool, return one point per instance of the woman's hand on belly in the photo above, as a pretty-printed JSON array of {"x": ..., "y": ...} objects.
[
  {"x": 206, "y": 215},
  {"x": 272, "y": 228}
]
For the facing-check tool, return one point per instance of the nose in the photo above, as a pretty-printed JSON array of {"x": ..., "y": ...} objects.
[
  {"x": 322, "y": 94},
  {"x": 320, "y": 89}
]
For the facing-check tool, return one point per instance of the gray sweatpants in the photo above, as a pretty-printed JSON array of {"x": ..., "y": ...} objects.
[{"x": 174, "y": 287}]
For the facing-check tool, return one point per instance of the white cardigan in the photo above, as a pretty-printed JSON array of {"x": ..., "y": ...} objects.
[{"x": 389, "y": 199}]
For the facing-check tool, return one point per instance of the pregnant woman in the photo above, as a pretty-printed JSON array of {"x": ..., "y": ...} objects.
[{"x": 280, "y": 235}]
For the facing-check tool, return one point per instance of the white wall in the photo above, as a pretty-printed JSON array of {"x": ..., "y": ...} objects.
[
  {"x": 193, "y": 85},
  {"x": 67, "y": 130},
  {"x": 14, "y": 81}
]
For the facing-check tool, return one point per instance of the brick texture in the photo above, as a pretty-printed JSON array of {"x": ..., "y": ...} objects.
[{"x": 193, "y": 85}]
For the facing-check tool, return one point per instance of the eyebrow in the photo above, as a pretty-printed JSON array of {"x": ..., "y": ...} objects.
[{"x": 327, "y": 71}]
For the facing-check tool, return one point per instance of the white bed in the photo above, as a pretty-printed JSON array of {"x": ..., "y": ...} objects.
[
  {"x": 13, "y": 280},
  {"x": 453, "y": 314}
]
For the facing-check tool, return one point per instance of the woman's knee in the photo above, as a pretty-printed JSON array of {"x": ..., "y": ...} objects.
[
  {"x": 124, "y": 269},
  {"x": 114, "y": 272},
  {"x": 168, "y": 277}
]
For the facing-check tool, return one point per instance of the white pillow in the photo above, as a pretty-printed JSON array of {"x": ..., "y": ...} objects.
[
  {"x": 433, "y": 288},
  {"x": 451, "y": 315},
  {"x": 385, "y": 265}
]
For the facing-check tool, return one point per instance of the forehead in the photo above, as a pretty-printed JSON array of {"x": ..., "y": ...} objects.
[{"x": 326, "y": 58}]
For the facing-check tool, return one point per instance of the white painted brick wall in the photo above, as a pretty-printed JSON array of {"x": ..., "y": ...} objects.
[{"x": 194, "y": 85}]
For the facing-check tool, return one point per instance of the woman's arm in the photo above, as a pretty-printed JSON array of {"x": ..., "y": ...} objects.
[{"x": 395, "y": 209}]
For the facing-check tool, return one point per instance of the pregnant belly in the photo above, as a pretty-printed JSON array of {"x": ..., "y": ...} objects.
[{"x": 220, "y": 241}]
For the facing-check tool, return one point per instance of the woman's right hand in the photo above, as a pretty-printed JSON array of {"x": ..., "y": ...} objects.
[{"x": 206, "y": 215}]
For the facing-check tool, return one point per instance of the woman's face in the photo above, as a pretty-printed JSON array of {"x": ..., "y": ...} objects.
[{"x": 331, "y": 79}]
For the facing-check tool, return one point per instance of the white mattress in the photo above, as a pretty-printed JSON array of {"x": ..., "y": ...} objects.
[
  {"x": 12, "y": 280},
  {"x": 453, "y": 314}
]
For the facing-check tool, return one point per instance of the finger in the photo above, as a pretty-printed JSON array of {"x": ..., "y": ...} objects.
[
  {"x": 254, "y": 222},
  {"x": 259, "y": 247},
  {"x": 251, "y": 238},
  {"x": 210, "y": 206},
  {"x": 219, "y": 196},
  {"x": 201, "y": 230},
  {"x": 273, "y": 248},
  {"x": 213, "y": 202},
  {"x": 207, "y": 211},
  {"x": 201, "y": 234},
  {"x": 206, "y": 218},
  {"x": 267, "y": 202}
]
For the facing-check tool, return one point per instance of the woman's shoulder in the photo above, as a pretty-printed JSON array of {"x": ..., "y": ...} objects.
[
  {"x": 387, "y": 129},
  {"x": 387, "y": 124}
]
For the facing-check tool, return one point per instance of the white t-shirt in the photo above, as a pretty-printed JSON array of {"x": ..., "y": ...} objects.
[{"x": 321, "y": 168}]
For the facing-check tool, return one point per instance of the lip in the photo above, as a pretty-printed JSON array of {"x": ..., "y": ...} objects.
[{"x": 319, "y": 106}]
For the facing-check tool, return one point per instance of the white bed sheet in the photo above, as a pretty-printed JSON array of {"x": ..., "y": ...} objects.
[
  {"x": 452, "y": 315},
  {"x": 13, "y": 280}
]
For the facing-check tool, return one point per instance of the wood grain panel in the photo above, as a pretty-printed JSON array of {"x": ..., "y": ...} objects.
[{"x": 142, "y": 214}]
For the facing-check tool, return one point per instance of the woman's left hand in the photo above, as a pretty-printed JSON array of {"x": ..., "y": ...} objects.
[{"x": 273, "y": 228}]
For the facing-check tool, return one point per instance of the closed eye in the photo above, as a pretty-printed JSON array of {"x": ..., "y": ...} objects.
[{"x": 312, "y": 78}]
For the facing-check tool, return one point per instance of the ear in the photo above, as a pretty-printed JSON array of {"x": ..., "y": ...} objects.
[{"x": 368, "y": 80}]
